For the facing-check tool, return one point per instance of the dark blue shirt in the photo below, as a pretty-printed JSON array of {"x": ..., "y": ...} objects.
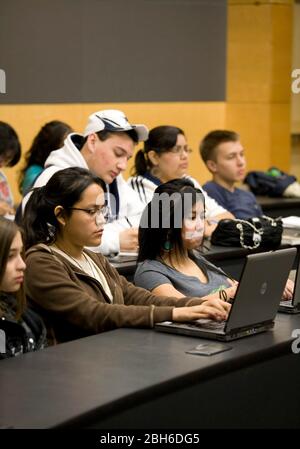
[{"x": 240, "y": 203}]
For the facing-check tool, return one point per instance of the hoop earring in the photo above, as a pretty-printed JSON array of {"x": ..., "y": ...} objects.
[
  {"x": 154, "y": 171},
  {"x": 167, "y": 245}
]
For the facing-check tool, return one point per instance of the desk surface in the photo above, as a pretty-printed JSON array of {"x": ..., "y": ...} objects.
[
  {"x": 279, "y": 207},
  {"x": 98, "y": 376},
  {"x": 126, "y": 265},
  {"x": 270, "y": 202},
  {"x": 211, "y": 252}
]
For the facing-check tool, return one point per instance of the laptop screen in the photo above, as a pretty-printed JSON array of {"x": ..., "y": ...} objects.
[{"x": 260, "y": 289}]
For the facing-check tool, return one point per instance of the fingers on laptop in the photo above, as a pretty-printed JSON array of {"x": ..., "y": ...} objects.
[
  {"x": 288, "y": 290},
  {"x": 207, "y": 309}
]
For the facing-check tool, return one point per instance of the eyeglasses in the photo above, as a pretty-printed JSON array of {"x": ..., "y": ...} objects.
[
  {"x": 95, "y": 212},
  {"x": 180, "y": 150}
]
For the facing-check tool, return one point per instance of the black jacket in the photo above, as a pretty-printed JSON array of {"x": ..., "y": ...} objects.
[{"x": 17, "y": 337}]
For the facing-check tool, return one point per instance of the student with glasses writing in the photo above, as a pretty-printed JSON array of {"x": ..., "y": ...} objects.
[
  {"x": 76, "y": 291},
  {"x": 165, "y": 157}
]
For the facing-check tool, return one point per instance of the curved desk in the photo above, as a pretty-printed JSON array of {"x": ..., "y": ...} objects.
[
  {"x": 279, "y": 207},
  {"x": 132, "y": 378},
  {"x": 230, "y": 259}
]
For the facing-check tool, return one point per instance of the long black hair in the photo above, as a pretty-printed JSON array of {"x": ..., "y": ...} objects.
[
  {"x": 8, "y": 231},
  {"x": 10, "y": 147},
  {"x": 64, "y": 189},
  {"x": 163, "y": 216},
  {"x": 161, "y": 139},
  {"x": 49, "y": 138}
]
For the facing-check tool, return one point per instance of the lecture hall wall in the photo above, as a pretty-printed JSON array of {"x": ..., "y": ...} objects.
[{"x": 197, "y": 65}]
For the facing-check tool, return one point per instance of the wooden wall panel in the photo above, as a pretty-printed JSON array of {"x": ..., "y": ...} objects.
[
  {"x": 195, "y": 119},
  {"x": 259, "y": 78}
]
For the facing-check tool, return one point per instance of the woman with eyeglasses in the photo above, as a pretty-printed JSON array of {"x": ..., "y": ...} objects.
[
  {"x": 21, "y": 329},
  {"x": 77, "y": 292},
  {"x": 165, "y": 157}
]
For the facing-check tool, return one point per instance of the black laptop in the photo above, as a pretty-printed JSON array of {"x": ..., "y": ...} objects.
[
  {"x": 293, "y": 305},
  {"x": 255, "y": 304}
]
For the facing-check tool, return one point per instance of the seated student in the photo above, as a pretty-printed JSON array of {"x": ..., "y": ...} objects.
[
  {"x": 50, "y": 137},
  {"x": 165, "y": 157},
  {"x": 172, "y": 226},
  {"x": 104, "y": 148},
  {"x": 21, "y": 329},
  {"x": 10, "y": 153},
  {"x": 168, "y": 265},
  {"x": 224, "y": 156},
  {"x": 77, "y": 292}
]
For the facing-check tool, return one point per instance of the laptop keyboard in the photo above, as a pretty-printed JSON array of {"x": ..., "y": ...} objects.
[{"x": 209, "y": 324}]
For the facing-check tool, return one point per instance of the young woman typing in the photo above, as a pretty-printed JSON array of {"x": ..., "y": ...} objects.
[
  {"x": 78, "y": 292},
  {"x": 170, "y": 259},
  {"x": 168, "y": 263}
]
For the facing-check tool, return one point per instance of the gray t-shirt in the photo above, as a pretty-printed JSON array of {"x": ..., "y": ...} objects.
[{"x": 152, "y": 273}]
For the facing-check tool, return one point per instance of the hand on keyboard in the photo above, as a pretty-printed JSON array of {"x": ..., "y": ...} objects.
[
  {"x": 288, "y": 290},
  {"x": 209, "y": 324}
]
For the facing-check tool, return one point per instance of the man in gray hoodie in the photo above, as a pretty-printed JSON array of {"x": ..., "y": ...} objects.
[{"x": 104, "y": 148}]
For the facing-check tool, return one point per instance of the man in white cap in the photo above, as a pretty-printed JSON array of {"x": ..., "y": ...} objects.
[{"x": 104, "y": 148}]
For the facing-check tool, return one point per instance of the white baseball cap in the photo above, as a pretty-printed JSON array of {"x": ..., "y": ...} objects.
[{"x": 113, "y": 120}]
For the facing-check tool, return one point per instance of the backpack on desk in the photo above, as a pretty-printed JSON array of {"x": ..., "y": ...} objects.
[
  {"x": 272, "y": 183},
  {"x": 259, "y": 232}
]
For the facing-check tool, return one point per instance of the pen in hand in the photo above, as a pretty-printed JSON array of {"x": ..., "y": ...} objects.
[{"x": 127, "y": 219}]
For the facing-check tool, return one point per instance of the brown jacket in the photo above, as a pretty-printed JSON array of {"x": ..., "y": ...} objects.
[{"x": 74, "y": 305}]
